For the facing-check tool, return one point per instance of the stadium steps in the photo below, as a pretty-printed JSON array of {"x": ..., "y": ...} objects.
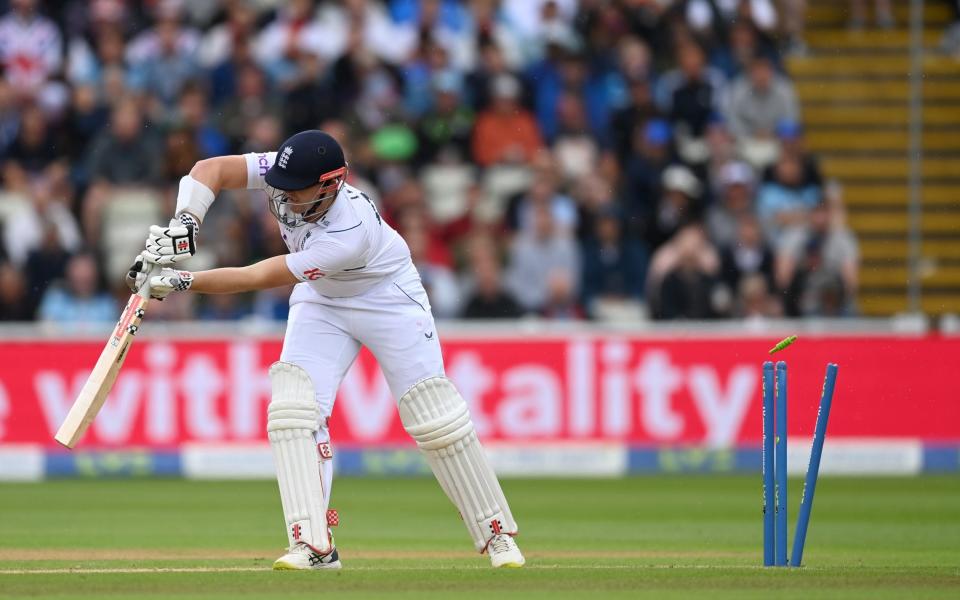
[
  {"x": 836, "y": 14},
  {"x": 893, "y": 140},
  {"x": 854, "y": 90},
  {"x": 829, "y": 116}
]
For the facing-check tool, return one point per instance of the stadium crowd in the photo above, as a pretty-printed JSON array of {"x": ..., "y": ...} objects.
[{"x": 605, "y": 159}]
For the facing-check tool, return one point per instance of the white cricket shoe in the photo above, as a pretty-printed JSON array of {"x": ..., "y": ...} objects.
[
  {"x": 504, "y": 552},
  {"x": 301, "y": 558}
]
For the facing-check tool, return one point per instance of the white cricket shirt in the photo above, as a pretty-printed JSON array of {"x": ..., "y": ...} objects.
[{"x": 348, "y": 251}]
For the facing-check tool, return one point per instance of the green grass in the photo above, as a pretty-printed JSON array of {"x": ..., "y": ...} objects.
[{"x": 659, "y": 537}]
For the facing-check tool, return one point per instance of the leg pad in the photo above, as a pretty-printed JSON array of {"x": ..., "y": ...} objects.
[
  {"x": 292, "y": 420},
  {"x": 436, "y": 416}
]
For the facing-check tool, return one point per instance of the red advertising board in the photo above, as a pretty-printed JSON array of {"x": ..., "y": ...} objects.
[{"x": 591, "y": 387}]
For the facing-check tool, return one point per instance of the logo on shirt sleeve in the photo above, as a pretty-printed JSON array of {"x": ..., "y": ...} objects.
[{"x": 313, "y": 274}]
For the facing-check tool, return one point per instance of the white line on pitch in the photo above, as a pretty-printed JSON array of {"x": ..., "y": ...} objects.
[{"x": 132, "y": 570}]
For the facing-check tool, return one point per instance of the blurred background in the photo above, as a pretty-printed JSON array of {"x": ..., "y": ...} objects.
[{"x": 679, "y": 167}]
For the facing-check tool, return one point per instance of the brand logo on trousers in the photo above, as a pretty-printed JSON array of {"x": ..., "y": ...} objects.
[{"x": 323, "y": 449}]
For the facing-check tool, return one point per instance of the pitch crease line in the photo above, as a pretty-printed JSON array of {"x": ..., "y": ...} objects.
[{"x": 133, "y": 570}]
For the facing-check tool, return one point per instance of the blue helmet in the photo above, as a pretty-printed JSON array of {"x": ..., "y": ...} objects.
[{"x": 306, "y": 159}]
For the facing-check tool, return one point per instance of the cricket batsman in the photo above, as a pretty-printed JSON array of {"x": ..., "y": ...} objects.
[{"x": 355, "y": 286}]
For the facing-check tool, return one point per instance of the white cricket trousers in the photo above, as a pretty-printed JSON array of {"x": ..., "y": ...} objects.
[{"x": 393, "y": 320}]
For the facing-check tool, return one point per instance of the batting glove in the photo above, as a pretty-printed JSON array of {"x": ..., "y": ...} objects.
[
  {"x": 168, "y": 280},
  {"x": 172, "y": 244}
]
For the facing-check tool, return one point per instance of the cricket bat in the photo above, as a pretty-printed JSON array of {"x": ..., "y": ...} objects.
[{"x": 104, "y": 374}]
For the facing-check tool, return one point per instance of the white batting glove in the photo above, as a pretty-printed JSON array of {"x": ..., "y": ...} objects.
[
  {"x": 168, "y": 280},
  {"x": 172, "y": 244}
]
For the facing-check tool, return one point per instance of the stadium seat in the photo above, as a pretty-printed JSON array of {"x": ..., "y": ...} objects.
[
  {"x": 446, "y": 188},
  {"x": 499, "y": 183}
]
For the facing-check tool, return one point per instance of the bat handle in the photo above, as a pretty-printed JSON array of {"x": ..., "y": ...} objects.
[{"x": 144, "y": 291}]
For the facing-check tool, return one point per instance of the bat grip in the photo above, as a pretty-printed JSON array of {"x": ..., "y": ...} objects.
[{"x": 145, "y": 288}]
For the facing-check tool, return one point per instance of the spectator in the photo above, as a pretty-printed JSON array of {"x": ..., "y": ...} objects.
[
  {"x": 406, "y": 207},
  {"x": 614, "y": 265},
  {"x": 31, "y": 48},
  {"x": 191, "y": 115},
  {"x": 489, "y": 300},
  {"x": 446, "y": 22},
  {"x": 627, "y": 121},
  {"x": 224, "y": 76},
  {"x": 734, "y": 59},
  {"x": 505, "y": 133},
  {"x": 252, "y": 101},
  {"x": 679, "y": 205},
  {"x": 784, "y": 203},
  {"x": 45, "y": 263},
  {"x": 687, "y": 291},
  {"x": 219, "y": 43},
  {"x": 544, "y": 190},
  {"x": 790, "y": 137},
  {"x": 561, "y": 303},
  {"x": 747, "y": 255},
  {"x": 26, "y": 230},
  {"x": 262, "y": 132},
  {"x": 643, "y": 173},
  {"x": 736, "y": 188},
  {"x": 486, "y": 29},
  {"x": 438, "y": 279},
  {"x": 703, "y": 15},
  {"x": 566, "y": 70},
  {"x": 444, "y": 131},
  {"x": 538, "y": 22},
  {"x": 162, "y": 59},
  {"x": 575, "y": 149},
  {"x": 691, "y": 239},
  {"x": 182, "y": 151},
  {"x": 758, "y": 100},
  {"x": 352, "y": 24},
  {"x": 33, "y": 155},
  {"x": 691, "y": 93},
  {"x": 272, "y": 304},
  {"x": 14, "y": 302},
  {"x": 429, "y": 60},
  {"x": 87, "y": 116},
  {"x": 535, "y": 255},
  {"x": 294, "y": 33},
  {"x": 222, "y": 307},
  {"x": 754, "y": 300},
  {"x": 122, "y": 155},
  {"x": 78, "y": 300},
  {"x": 479, "y": 82},
  {"x": 820, "y": 268},
  {"x": 89, "y": 60}
]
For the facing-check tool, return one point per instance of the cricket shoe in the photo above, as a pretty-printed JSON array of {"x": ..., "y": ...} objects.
[
  {"x": 504, "y": 552},
  {"x": 302, "y": 558}
]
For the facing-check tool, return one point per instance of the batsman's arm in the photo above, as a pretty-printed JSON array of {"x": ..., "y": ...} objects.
[
  {"x": 206, "y": 179},
  {"x": 221, "y": 173},
  {"x": 266, "y": 274}
]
